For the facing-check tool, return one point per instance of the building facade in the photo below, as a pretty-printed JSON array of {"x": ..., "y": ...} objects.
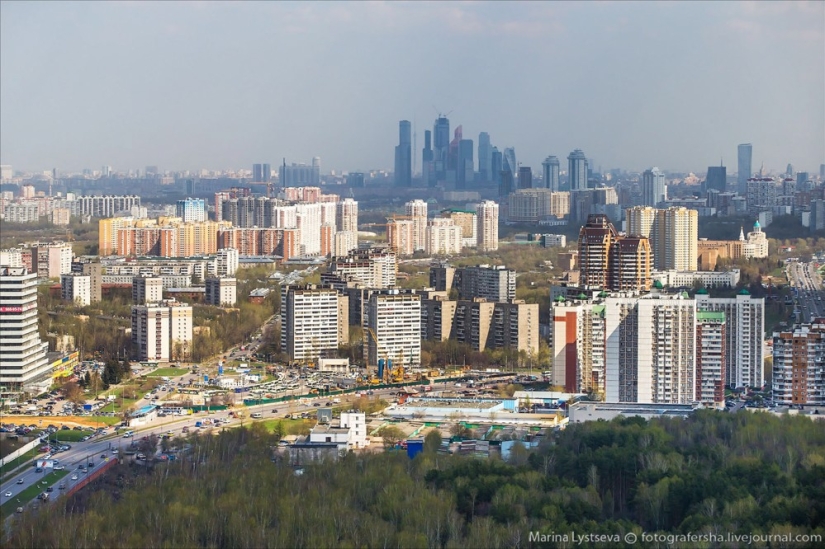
[
  {"x": 76, "y": 288},
  {"x": 395, "y": 320},
  {"x": 799, "y": 365},
  {"x": 710, "y": 358},
  {"x": 221, "y": 291}
]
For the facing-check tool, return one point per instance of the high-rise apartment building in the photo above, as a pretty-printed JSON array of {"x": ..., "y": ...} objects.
[
  {"x": 162, "y": 331},
  {"x": 577, "y": 349},
  {"x": 487, "y": 215},
  {"x": 76, "y": 288},
  {"x": 346, "y": 215},
  {"x": 650, "y": 349},
  {"x": 400, "y": 236},
  {"x": 416, "y": 210},
  {"x": 485, "y": 157},
  {"x": 761, "y": 193},
  {"x": 493, "y": 283},
  {"x": 191, "y": 210},
  {"x": 595, "y": 239},
  {"x": 95, "y": 273},
  {"x": 799, "y": 365},
  {"x": 23, "y": 365},
  {"x": 630, "y": 264},
  {"x": 374, "y": 268},
  {"x": 52, "y": 260},
  {"x": 550, "y": 173},
  {"x": 105, "y": 206},
  {"x": 403, "y": 155},
  {"x": 654, "y": 187},
  {"x": 443, "y": 237},
  {"x": 356, "y": 180},
  {"x": 261, "y": 173},
  {"x": 676, "y": 238},
  {"x": 395, "y": 321},
  {"x": 147, "y": 289},
  {"x": 310, "y": 318},
  {"x": 744, "y": 336},
  {"x": 301, "y": 175},
  {"x": 442, "y": 277},
  {"x": 577, "y": 170},
  {"x": 221, "y": 291},
  {"x": 468, "y": 221},
  {"x": 744, "y": 168},
  {"x": 710, "y": 358}
]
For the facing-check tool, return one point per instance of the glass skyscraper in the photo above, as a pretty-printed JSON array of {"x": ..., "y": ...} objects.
[
  {"x": 654, "y": 189},
  {"x": 744, "y": 168},
  {"x": 403, "y": 155},
  {"x": 550, "y": 175},
  {"x": 577, "y": 170}
]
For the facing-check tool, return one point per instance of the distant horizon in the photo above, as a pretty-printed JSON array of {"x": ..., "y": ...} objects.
[{"x": 196, "y": 85}]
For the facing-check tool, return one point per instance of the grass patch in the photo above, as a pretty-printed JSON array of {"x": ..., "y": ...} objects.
[
  {"x": 69, "y": 436},
  {"x": 168, "y": 372},
  {"x": 24, "y": 497},
  {"x": 288, "y": 426}
]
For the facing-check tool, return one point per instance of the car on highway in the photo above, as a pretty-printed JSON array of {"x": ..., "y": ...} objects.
[
  {"x": 74, "y": 477},
  {"x": 7, "y": 494},
  {"x": 38, "y": 470},
  {"x": 20, "y": 481}
]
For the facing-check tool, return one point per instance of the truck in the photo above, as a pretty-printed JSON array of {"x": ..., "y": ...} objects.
[{"x": 336, "y": 401}]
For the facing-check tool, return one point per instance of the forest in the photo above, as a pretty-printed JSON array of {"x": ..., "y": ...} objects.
[{"x": 743, "y": 473}]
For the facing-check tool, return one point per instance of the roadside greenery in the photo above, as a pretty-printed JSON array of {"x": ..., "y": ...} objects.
[{"x": 743, "y": 473}]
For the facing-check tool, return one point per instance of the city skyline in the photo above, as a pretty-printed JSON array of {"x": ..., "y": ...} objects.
[{"x": 216, "y": 85}]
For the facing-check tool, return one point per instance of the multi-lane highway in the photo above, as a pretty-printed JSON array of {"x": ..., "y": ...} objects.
[{"x": 805, "y": 278}]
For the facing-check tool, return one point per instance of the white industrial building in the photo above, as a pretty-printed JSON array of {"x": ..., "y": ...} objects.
[{"x": 351, "y": 434}]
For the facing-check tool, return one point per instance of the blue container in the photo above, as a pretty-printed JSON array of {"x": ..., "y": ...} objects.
[
  {"x": 414, "y": 447},
  {"x": 381, "y": 369}
]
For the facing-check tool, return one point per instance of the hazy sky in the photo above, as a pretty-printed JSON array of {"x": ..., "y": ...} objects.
[{"x": 215, "y": 85}]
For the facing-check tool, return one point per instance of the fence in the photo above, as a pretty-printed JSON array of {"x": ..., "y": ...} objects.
[
  {"x": 332, "y": 393},
  {"x": 20, "y": 451},
  {"x": 92, "y": 476}
]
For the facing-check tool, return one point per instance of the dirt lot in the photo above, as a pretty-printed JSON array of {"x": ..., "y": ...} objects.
[{"x": 45, "y": 421}]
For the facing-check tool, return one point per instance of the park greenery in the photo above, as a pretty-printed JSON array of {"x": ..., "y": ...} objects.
[{"x": 744, "y": 473}]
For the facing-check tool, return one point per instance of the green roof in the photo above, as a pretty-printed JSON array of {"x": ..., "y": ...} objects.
[
  {"x": 702, "y": 291},
  {"x": 582, "y": 296},
  {"x": 560, "y": 299},
  {"x": 717, "y": 316},
  {"x": 598, "y": 310},
  {"x": 604, "y": 294},
  {"x": 743, "y": 291},
  {"x": 658, "y": 285},
  {"x": 685, "y": 295}
]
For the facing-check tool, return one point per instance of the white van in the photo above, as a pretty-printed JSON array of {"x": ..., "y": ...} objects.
[{"x": 257, "y": 415}]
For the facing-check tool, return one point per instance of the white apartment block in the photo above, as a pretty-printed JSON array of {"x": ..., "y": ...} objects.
[
  {"x": 227, "y": 262},
  {"x": 308, "y": 220},
  {"x": 345, "y": 242},
  {"x": 191, "y": 210},
  {"x": 162, "y": 331},
  {"x": 487, "y": 212},
  {"x": 554, "y": 240},
  {"x": 21, "y": 213},
  {"x": 416, "y": 210},
  {"x": 52, "y": 260},
  {"x": 76, "y": 289},
  {"x": 11, "y": 258},
  {"x": 744, "y": 334},
  {"x": 686, "y": 279},
  {"x": 395, "y": 319},
  {"x": 443, "y": 237},
  {"x": 23, "y": 364},
  {"x": 147, "y": 289},
  {"x": 104, "y": 206},
  {"x": 347, "y": 216},
  {"x": 309, "y": 322},
  {"x": 650, "y": 349},
  {"x": 221, "y": 291}
]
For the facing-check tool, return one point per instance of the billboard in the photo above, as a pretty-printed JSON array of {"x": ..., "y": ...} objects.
[{"x": 45, "y": 463}]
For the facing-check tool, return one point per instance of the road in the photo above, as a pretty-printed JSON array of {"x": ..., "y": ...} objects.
[
  {"x": 81, "y": 453},
  {"x": 805, "y": 278}
]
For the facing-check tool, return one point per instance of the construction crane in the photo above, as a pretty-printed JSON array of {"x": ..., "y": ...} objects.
[{"x": 373, "y": 379}]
